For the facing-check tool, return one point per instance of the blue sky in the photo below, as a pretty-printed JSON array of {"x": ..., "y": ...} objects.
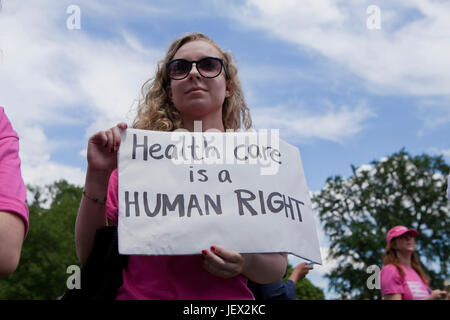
[{"x": 341, "y": 92}]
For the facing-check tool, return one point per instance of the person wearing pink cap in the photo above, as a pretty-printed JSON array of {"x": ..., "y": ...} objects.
[
  {"x": 13, "y": 208},
  {"x": 402, "y": 277}
]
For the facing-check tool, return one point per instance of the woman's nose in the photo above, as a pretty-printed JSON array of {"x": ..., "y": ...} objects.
[{"x": 194, "y": 72}]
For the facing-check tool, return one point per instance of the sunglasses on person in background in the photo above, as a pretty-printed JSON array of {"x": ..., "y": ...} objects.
[{"x": 209, "y": 67}]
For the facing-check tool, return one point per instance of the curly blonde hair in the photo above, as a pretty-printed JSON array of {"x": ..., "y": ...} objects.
[{"x": 157, "y": 111}]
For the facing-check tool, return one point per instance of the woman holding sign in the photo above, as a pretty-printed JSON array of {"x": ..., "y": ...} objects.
[{"x": 197, "y": 81}]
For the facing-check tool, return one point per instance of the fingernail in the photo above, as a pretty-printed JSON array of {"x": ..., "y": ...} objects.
[
  {"x": 117, "y": 144},
  {"x": 213, "y": 248},
  {"x": 204, "y": 252}
]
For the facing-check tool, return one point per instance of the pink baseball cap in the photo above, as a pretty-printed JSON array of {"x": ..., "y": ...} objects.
[{"x": 397, "y": 231}]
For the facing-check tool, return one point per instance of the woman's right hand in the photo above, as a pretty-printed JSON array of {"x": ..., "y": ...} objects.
[{"x": 102, "y": 148}]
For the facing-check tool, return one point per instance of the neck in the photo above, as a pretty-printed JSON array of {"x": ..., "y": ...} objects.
[
  {"x": 405, "y": 258},
  {"x": 203, "y": 124}
]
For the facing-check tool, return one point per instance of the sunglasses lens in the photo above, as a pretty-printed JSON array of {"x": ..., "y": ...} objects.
[
  {"x": 209, "y": 67},
  {"x": 179, "y": 69}
]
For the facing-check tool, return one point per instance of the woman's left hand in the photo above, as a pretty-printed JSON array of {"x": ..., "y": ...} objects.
[{"x": 223, "y": 263}]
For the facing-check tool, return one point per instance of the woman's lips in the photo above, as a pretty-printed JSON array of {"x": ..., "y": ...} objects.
[{"x": 195, "y": 90}]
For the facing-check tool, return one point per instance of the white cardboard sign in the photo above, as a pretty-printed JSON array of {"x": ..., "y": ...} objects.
[{"x": 182, "y": 192}]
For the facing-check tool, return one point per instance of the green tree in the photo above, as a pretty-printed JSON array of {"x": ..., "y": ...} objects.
[
  {"x": 357, "y": 213},
  {"x": 304, "y": 289},
  {"x": 49, "y": 247}
]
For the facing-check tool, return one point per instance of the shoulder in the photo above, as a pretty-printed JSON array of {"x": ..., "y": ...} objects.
[
  {"x": 391, "y": 282},
  {"x": 4, "y": 121},
  {"x": 389, "y": 268},
  {"x": 9, "y": 142},
  {"x": 390, "y": 272},
  {"x": 6, "y": 129}
]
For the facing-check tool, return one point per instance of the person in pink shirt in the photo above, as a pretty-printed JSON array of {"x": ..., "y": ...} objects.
[
  {"x": 197, "y": 81},
  {"x": 13, "y": 208},
  {"x": 402, "y": 277}
]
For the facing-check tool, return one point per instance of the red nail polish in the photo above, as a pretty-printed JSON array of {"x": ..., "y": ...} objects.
[
  {"x": 213, "y": 249},
  {"x": 117, "y": 144},
  {"x": 204, "y": 252}
]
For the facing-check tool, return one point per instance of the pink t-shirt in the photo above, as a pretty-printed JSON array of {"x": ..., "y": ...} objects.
[
  {"x": 411, "y": 287},
  {"x": 171, "y": 277},
  {"x": 12, "y": 188}
]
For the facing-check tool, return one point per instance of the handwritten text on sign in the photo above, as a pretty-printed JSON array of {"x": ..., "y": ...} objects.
[{"x": 180, "y": 193}]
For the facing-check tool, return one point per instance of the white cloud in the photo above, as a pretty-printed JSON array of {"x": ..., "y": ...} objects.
[
  {"x": 37, "y": 167},
  {"x": 49, "y": 172},
  {"x": 300, "y": 125},
  {"x": 408, "y": 55},
  {"x": 48, "y": 73}
]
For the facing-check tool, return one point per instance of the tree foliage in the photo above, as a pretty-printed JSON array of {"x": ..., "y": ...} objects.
[
  {"x": 49, "y": 247},
  {"x": 358, "y": 211}
]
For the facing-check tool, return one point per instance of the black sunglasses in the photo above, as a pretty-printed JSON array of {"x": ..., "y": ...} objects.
[{"x": 209, "y": 67}]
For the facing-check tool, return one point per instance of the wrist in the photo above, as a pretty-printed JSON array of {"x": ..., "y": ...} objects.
[
  {"x": 294, "y": 277},
  {"x": 96, "y": 184},
  {"x": 101, "y": 174}
]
